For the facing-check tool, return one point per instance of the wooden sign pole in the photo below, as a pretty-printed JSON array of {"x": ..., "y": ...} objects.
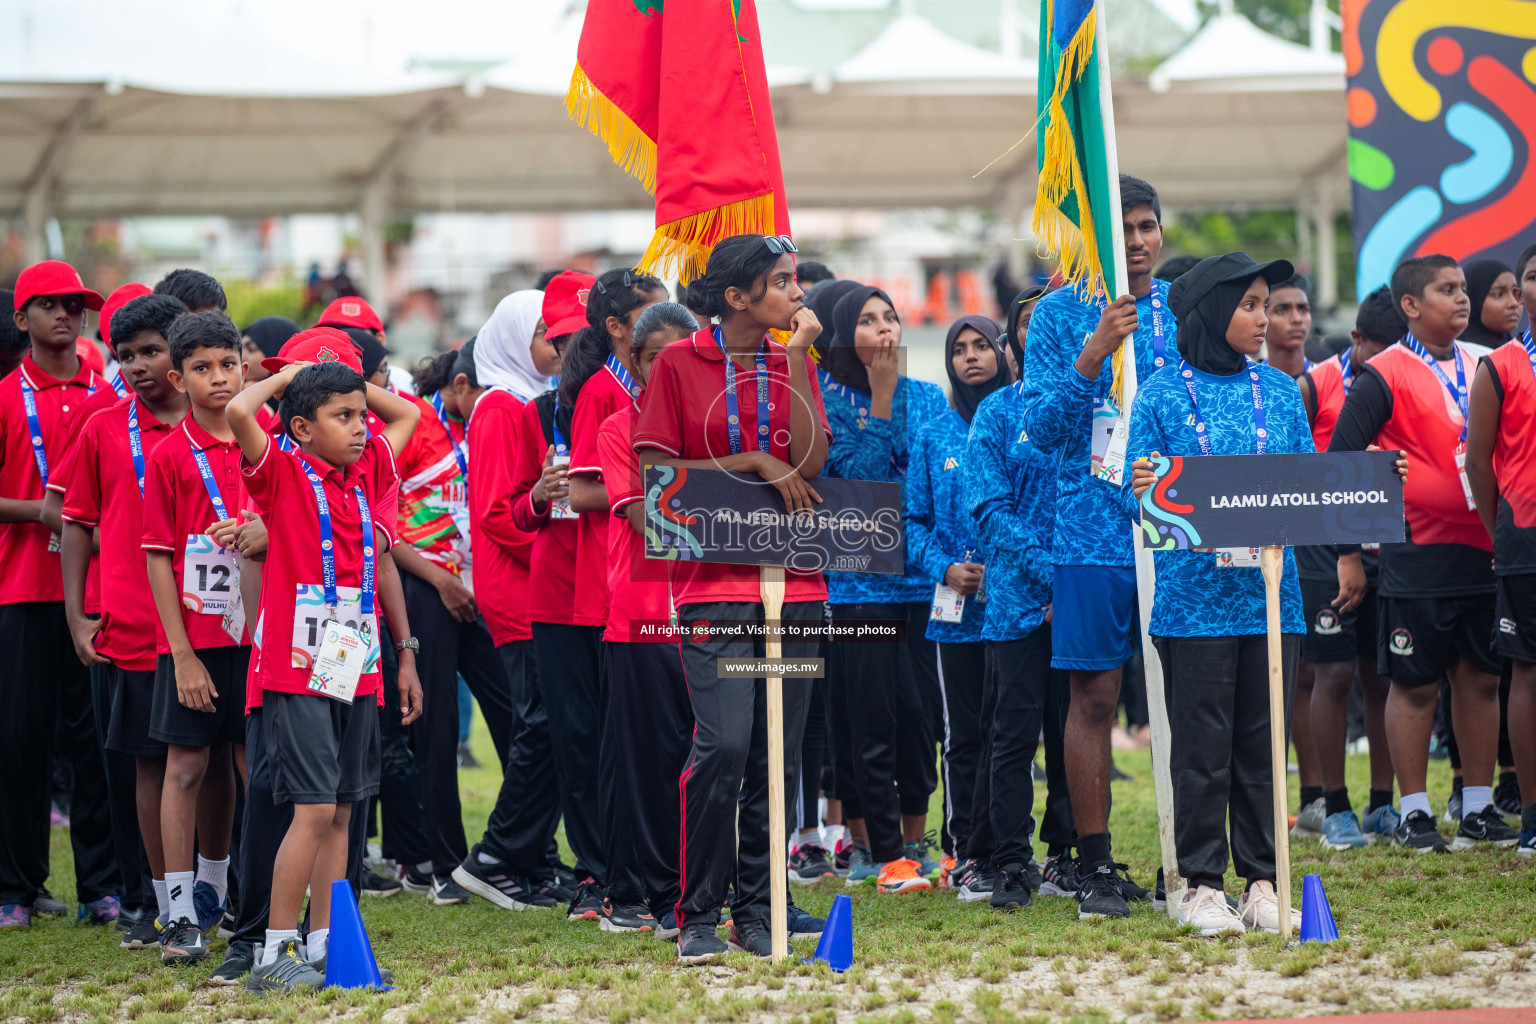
[
  {"x": 771, "y": 588},
  {"x": 1271, "y": 563}
]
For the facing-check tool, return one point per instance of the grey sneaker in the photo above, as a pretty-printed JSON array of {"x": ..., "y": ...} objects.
[
  {"x": 1309, "y": 820},
  {"x": 289, "y": 972},
  {"x": 699, "y": 942},
  {"x": 386, "y": 976}
]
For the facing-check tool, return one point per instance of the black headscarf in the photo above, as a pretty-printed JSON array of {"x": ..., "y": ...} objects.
[
  {"x": 371, "y": 351},
  {"x": 822, "y": 300},
  {"x": 969, "y": 396},
  {"x": 1481, "y": 274},
  {"x": 270, "y": 332},
  {"x": 842, "y": 360},
  {"x": 1015, "y": 344},
  {"x": 1204, "y": 300}
]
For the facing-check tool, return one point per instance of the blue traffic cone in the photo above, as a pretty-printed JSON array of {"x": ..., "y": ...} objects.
[
  {"x": 836, "y": 946},
  {"x": 349, "y": 961},
  {"x": 1316, "y": 916}
]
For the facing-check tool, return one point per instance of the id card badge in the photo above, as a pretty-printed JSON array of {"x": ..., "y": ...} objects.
[
  {"x": 234, "y": 618},
  {"x": 339, "y": 661},
  {"x": 54, "y": 544},
  {"x": 1109, "y": 440},
  {"x": 210, "y": 577},
  {"x": 1461, "y": 471},
  {"x": 948, "y": 604},
  {"x": 311, "y": 619},
  {"x": 1237, "y": 558},
  {"x": 562, "y": 509}
]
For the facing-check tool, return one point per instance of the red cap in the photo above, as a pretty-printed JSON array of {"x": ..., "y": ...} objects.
[
  {"x": 565, "y": 302},
  {"x": 116, "y": 301},
  {"x": 316, "y": 345},
  {"x": 90, "y": 355},
  {"x": 350, "y": 312},
  {"x": 53, "y": 277}
]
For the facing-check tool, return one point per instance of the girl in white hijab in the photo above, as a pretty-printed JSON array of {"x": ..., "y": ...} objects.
[{"x": 510, "y": 350}]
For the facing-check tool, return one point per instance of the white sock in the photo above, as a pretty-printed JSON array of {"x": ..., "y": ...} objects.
[
  {"x": 1418, "y": 802},
  {"x": 316, "y": 942},
  {"x": 215, "y": 873},
  {"x": 1475, "y": 798},
  {"x": 808, "y": 835},
  {"x": 162, "y": 899},
  {"x": 834, "y": 835},
  {"x": 178, "y": 885},
  {"x": 275, "y": 940}
]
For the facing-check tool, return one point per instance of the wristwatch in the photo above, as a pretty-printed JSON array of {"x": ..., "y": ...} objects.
[{"x": 410, "y": 642}]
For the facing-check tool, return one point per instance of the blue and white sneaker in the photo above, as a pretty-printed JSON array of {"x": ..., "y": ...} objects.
[
  {"x": 1381, "y": 823},
  {"x": 923, "y": 851},
  {"x": 861, "y": 866},
  {"x": 1527, "y": 846},
  {"x": 1341, "y": 831},
  {"x": 210, "y": 909}
]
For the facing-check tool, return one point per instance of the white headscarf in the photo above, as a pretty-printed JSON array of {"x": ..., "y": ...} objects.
[{"x": 503, "y": 356}]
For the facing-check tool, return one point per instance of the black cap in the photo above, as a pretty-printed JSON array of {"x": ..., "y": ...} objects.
[{"x": 1197, "y": 282}]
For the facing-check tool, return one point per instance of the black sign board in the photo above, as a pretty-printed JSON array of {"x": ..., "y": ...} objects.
[
  {"x": 710, "y": 515},
  {"x": 1226, "y": 501}
]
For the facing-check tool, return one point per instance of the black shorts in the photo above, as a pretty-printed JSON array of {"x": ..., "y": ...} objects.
[
  {"x": 1333, "y": 635},
  {"x": 133, "y": 700},
  {"x": 319, "y": 750},
  {"x": 1419, "y": 639},
  {"x": 172, "y": 722},
  {"x": 1515, "y": 609}
]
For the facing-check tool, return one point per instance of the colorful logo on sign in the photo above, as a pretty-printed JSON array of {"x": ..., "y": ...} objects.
[{"x": 1163, "y": 525}]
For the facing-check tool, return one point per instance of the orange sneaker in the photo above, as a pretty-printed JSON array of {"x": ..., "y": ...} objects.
[
  {"x": 901, "y": 876},
  {"x": 946, "y": 872}
]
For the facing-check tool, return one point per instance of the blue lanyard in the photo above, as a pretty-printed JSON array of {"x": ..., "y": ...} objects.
[
  {"x": 30, "y": 401},
  {"x": 1346, "y": 371},
  {"x": 1458, "y": 390},
  {"x": 561, "y": 448},
  {"x": 1530, "y": 350},
  {"x": 458, "y": 449},
  {"x": 1202, "y": 436},
  {"x": 1159, "y": 339},
  {"x": 116, "y": 380},
  {"x": 211, "y": 485},
  {"x": 733, "y": 409},
  {"x": 623, "y": 376},
  {"x": 136, "y": 443},
  {"x": 284, "y": 443},
  {"x": 328, "y": 546}
]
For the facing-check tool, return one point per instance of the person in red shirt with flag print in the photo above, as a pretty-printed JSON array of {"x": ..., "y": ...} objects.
[
  {"x": 781, "y": 437},
  {"x": 1436, "y": 612}
]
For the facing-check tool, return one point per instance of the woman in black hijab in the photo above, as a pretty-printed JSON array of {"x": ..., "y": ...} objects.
[
  {"x": 261, "y": 340},
  {"x": 1495, "y": 303}
]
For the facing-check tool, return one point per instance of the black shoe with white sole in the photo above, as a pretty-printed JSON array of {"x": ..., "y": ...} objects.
[
  {"x": 626, "y": 917},
  {"x": 377, "y": 885},
  {"x": 1099, "y": 894},
  {"x": 448, "y": 893},
  {"x": 415, "y": 881},
  {"x": 1417, "y": 832},
  {"x": 499, "y": 884},
  {"x": 1484, "y": 826},
  {"x": 1012, "y": 889},
  {"x": 698, "y": 942},
  {"x": 239, "y": 958}
]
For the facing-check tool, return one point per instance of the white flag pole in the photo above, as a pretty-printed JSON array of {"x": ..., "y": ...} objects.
[{"x": 1146, "y": 575}]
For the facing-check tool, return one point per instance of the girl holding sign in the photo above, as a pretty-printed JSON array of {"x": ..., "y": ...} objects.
[{"x": 1208, "y": 617}]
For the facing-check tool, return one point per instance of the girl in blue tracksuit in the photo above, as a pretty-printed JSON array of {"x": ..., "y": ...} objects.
[{"x": 941, "y": 541}]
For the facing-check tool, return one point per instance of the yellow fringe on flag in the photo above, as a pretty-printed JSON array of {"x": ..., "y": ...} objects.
[
  {"x": 682, "y": 247},
  {"x": 630, "y": 147}
]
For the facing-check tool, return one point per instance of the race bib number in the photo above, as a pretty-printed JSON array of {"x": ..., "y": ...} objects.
[
  {"x": 1109, "y": 439},
  {"x": 1237, "y": 558},
  {"x": 339, "y": 661},
  {"x": 311, "y": 617},
  {"x": 210, "y": 576},
  {"x": 948, "y": 604},
  {"x": 562, "y": 509}
]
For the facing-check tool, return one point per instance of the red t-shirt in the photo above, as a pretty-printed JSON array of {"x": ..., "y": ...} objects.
[
  {"x": 683, "y": 413},
  {"x": 1514, "y": 460},
  {"x": 103, "y": 493},
  {"x": 178, "y": 511},
  {"x": 32, "y": 572},
  {"x": 292, "y": 601},
  {"x": 552, "y": 561},
  {"x": 601, "y": 396},
  {"x": 433, "y": 493},
  {"x": 1328, "y": 388},
  {"x": 640, "y": 603},
  {"x": 501, "y": 547},
  {"x": 58, "y": 478}
]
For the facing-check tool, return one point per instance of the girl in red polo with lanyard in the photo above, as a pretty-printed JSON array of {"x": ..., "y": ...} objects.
[{"x": 731, "y": 398}]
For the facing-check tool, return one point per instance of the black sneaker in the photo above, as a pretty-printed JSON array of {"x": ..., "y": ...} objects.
[
  {"x": 126, "y": 919},
  {"x": 1484, "y": 826},
  {"x": 1034, "y": 875},
  {"x": 145, "y": 933},
  {"x": 626, "y": 917},
  {"x": 842, "y": 857},
  {"x": 1012, "y": 889},
  {"x": 1099, "y": 894},
  {"x": 416, "y": 881},
  {"x": 1159, "y": 893},
  {"x": 586, "y": 902},
  {"x": 1453, "y": 808},
  {"x": 809, "y": 863},
  {"x": 564, "y": 878},
  {"x": 698, "y": 942},
  {"x": 750, "y": 937},
  {"x": 448, "y": 893},
  {"x": 1417, "y": 832},
  {"x": 1059, "y": 876},
  {"x": 239, "y": 958},
  {"x": 46, "y": 906},
  {"x": 1506, "y": 797},
  {"x": 803, "y": 924},
  {"x": 467, "y": 758},
  {"x": 184, "y": 944},
  {"x": 667, "y": 927},
  {"x": 977, "y": 883},
  {"x": 377, "y": 885},
  {"x": 1132, "y": 892},
  {"x": 498, "y": 884}
]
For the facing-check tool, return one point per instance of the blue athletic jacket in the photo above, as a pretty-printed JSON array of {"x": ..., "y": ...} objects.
[{"x": 939, "y": 528}]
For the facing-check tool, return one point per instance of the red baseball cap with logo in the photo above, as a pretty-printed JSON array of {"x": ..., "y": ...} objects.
[
  {"x": 350, "y": 311},
  {"x": 316, "y": 345},
  {"x": 116, "y": 301},
  {"x": 53, "y": 277},
  {"x": 565, "y": 302}
]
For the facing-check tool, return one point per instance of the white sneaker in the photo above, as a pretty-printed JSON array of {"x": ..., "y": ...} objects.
[
  {"x": 1207, "y": 910},
  {"x": 1260, "y": 909}
]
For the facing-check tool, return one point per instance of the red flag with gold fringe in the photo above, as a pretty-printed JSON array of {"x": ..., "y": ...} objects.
[{"x": 681, "y": 98}]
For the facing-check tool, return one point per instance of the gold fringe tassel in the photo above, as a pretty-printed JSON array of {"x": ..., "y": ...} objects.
[
  {"x": 682, "y": 247},
  {"x": 630, "y": 147}
]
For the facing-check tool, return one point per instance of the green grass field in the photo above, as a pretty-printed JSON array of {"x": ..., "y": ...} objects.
[{"x": 1420, "y": 933}]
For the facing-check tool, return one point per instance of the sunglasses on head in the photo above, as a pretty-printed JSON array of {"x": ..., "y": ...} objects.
[
  {"x": 629, "y": 284},
  {"x": 779, "y": 244}
]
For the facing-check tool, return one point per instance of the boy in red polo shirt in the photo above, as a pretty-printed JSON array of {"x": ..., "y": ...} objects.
[
  {"x": 193, "y": 484},
  {"x": 1501, "y": 464},
  {"x": 40, "y": 679},
  {"x": 780, "y": 436},
  {"x": 1437, "y": 588},
  {"x": 318, "y": 600}
]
